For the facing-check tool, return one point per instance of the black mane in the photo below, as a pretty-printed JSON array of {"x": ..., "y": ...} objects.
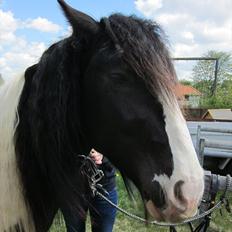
[{"x": 48, "y": 102}]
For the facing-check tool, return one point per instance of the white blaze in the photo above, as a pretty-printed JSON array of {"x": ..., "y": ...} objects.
[
  {"x": 185, "y": 161},
  {"x": 13, "y": 207}
]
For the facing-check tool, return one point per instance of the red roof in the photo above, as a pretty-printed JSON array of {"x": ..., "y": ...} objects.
[{"x": 182, "y": 90}]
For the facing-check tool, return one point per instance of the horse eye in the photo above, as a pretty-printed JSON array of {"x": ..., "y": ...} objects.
[{"x": 121, "y": 78}]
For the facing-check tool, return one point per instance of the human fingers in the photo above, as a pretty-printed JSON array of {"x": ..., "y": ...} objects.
[{"x": 96, "y": 156}]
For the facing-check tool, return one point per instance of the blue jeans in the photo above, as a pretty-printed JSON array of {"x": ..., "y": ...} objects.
[{"x": 102, "y": 215}]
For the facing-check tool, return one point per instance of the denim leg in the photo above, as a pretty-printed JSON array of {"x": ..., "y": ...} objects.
[
  {"x": 103, "y": 214},
  {"x": 73, "y": 222}
]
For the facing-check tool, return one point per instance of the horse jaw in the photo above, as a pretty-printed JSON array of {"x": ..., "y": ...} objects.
[{"x": 15, "y": 213}]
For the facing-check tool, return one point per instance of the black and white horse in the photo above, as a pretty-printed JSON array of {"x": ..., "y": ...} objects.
[{"x": 108, "y": 86}]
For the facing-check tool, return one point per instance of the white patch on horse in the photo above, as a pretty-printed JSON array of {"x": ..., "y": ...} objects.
[
  {"x": 13, "y": 207},
  {"x": 185, "y": 161}
]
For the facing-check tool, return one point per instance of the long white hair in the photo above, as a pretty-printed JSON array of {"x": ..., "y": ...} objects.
[{"x": 14, "y": 211}]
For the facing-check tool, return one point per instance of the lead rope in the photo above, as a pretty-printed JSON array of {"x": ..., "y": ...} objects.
[
  {"x": 218, "y": 205},
  {"x": 90, "y": 170}
]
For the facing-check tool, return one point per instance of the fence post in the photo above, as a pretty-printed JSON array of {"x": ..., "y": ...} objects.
[
  {"x": 201, "y": 151},
  {"x": 198, "y": 135}
]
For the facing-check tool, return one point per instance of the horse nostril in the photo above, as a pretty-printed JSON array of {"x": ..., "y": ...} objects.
[
  {"x": 178, "y": 191},
  {"x": 158, "y": 196}
]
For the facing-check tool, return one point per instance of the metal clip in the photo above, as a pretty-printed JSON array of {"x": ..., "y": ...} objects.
[
  {"x": 97, "y": 175},
  {"x": 90, "y": 170}
]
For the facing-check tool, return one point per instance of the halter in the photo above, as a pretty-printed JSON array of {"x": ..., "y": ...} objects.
[{"x": 93, "y": 174}]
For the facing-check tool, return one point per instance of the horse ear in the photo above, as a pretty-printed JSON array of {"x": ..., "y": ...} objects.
[{"x": 81, "y": 23}]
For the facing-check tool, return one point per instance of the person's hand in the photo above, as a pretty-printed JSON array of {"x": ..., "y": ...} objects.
[{"x": 96, "y": 156}]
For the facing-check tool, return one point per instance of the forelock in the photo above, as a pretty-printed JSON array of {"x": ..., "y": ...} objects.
[{"x": 143, "y": 43}]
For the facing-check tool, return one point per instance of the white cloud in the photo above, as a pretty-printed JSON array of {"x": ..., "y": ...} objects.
[
  {"x": 181, "y": 49},
  {"x": 8, "y": 25},
  {"x": 172, "y": 18},
  {"x": 218, "y": 33},
  {"x": 193, "y": 22},
  {"x": 188, "y": 35},
  {"x": 16, "y": 52},
  {"x": 67, "y": 32},
  {"x": 21, "y": 56},
  {"x": 43, "y": 24},
  {"x": 193, "y": 27},
  {"x": 148, "y": 7}
]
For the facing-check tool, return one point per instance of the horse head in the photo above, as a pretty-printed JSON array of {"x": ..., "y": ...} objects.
[{"x": 129, "y": 112}]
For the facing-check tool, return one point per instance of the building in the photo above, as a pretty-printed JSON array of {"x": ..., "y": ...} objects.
[
  {"x": 188, "y": 96},
  {"x": 218, "y": 115}
]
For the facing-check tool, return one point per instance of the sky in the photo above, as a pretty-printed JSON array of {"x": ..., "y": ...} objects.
[{"x": 193, "y": 27}]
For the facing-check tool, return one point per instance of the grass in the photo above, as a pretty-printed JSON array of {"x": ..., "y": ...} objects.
[{"x": 124, "y": 224}]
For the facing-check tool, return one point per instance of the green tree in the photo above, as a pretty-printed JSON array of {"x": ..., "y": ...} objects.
[
  {"x": 186, "y": 82},
  {"x": 204, "y": 72},
  {"x": 216, "y": 93}
]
